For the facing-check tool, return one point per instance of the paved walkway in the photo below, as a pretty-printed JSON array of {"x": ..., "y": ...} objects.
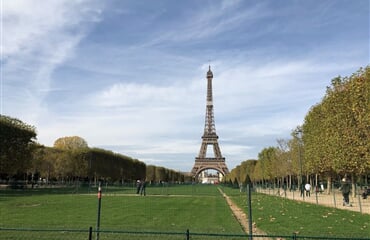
[{"x": 331, "y": 200}]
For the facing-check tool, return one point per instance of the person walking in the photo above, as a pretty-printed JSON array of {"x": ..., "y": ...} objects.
[
  {"x": 345, "y": 188},
  {"x": 142, "y": 189},
  {"x": 307, "y": 188},
  {"x": 138, "y": 186},
  {"x": 301, "y": 188},
  {"x": 322, "y": 189},
  {"x": 365, "y": 193}
]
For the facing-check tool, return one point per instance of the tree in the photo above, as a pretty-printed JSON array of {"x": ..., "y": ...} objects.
[
  {"x": 248, "y": 169},
  {"x": 282, "y": 163},
  {"x": 268, "y": 160},
  {"x": 242, "y": 172},
  {"x": 160, "y": 174},
  {"x": 70, "y": 143},
  {"x": 150, "y": 173},
  {"x": 16, "y": 145},
  {"x": 44, "y": 162}
]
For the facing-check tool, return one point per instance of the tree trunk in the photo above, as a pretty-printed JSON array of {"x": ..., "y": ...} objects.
[
  {"x": 353, "y": 185},
  {"x": 328, "y": 190}
]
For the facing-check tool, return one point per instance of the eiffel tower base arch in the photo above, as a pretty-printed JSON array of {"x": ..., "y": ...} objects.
[{"x": 202, "y": 164}]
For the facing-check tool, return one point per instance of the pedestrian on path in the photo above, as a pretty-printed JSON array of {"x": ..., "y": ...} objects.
[
  {"x": 138, "y": 186},
  {"x": 365, "y": 193},
  {"x": 301, "y": 188},
  {"x": 307, "y": 188},
  {"x": 322, "y": 187},
  {"x": 142, "y": 189},
  {"x": 345, "y": 188}
]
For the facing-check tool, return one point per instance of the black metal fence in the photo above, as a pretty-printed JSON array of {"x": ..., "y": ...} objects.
[{"x": 22, "y": 233}]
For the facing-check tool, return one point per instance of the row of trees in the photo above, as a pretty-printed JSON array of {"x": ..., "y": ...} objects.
[
  {"x": 69, "y": 159},
  {"x": 84, "y": 163},
  {"x": 159, "y": 174},
  {"x": 333, "y": 142}
]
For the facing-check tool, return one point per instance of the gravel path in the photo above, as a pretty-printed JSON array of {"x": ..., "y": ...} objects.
[{"x": 240, "y": 216}]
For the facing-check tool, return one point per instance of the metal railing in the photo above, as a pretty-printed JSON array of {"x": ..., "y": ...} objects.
[{"x": 76, "y": 234}]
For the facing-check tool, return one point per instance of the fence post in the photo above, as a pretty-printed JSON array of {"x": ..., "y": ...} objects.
[
  {"x": 294, "y": 236},
  {"x": 250, "y": 212},
  {"x": 90, "y": 233},
  {"x": 99, "y": 209},
  {"x": 187, "y": 234}
]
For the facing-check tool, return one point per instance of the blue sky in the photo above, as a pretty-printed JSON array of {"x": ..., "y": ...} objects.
[{"x": 129, "y": 76}]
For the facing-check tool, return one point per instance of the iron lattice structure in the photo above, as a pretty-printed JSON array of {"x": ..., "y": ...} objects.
[{"x": 209, "y": 138}]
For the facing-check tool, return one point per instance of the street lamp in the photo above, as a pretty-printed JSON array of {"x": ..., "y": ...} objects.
[{"x": 298, "y": 134}]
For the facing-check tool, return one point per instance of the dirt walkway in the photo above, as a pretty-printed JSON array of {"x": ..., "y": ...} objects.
[{"x": 241, "y": 216}]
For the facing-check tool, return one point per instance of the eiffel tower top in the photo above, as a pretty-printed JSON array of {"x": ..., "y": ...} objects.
[
  {"x": 209, "y": 73},
  {"x": 209, "y": 128}
]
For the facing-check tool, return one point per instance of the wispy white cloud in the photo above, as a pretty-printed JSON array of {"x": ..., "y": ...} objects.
[
  {"x": 213, "y": 19},
  {"x": 28, "y": 26},
  {"x": 138, "y": 94},
  {"x": 36, "y": 40}
]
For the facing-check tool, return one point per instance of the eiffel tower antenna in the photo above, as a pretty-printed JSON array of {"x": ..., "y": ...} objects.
[{"x": 202, "y": 162}]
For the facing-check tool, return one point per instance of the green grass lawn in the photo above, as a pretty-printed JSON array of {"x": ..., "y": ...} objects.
[
  {"x": 200, "y": 209},
  {"x": 280, "y": 216}
]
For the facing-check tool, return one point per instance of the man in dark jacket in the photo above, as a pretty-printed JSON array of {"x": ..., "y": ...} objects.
[{"x": 345, "y": 189}]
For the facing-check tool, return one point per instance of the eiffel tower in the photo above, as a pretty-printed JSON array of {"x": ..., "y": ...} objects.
[{"x": 209, "y": 138}]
